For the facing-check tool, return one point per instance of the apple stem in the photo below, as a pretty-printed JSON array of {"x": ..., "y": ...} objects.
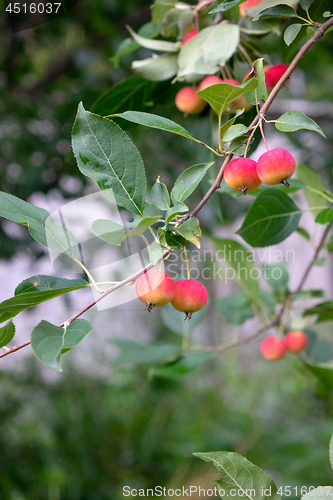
[
  {"x": 244, "y": 190},
  {"x": 286, "y": 183},
  {"x": 262, "y": 133},
  {"x": 249, "y": 140}
]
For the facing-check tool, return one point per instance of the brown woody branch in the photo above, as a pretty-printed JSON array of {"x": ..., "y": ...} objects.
[{"x": 216, "y": 185}]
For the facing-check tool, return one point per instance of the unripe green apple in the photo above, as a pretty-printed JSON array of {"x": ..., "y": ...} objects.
[
  {"x": 155, "y": 288},
  {"x": 241, "y": 175},
  {"x": 273, "y": 348},
  {"x": 276, "y": 166},
  {"x": 188, "y": 101},
  {"x": 296, "y": 341},
  {"x": 190, "y": 296}
]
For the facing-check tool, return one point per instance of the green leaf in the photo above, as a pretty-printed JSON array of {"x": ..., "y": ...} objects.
[
  {"x": 238, "y": 145},
  {"x": 190, "y": 230},
  {"x": 128, "y": 45},
  {"x": 319, "y": 493},
  {"x": 188, "y": 181},
  {"x": 155, "y": 252},
  {"x": 143, "y": 225},
  {"x": 318, "y": 350},
  {"x": 7, "y": 333},
  {"x": 277, "y": 277},
  {"x": 271, "y": 219},
  {"x": 304, "y": 233},
  {"x": 157, "y": 68},
  {"x": 277, "y": 11},
  {"x": 241, "y": 262},
  {"x": 48, "y": 341},
  {"x": 305, "y": 4},
  {"x": 39, "y": 222},
  {"x": 150, "y": 211},
  {"x": 159, "y": 45},
  {"x": 202, "y": 54},
  {"x": 312, "y": 181},
  {"x": 182, "y": 366},
  {"x": 178, "y": 21},
  {"x": 111, "y": 232},
  {"x": 160, "y": 8},
  {"x": 325, "y": 216},
  {"x": 160, "y": 196},
  {"x": 178, "y": 208},
  {"x": 296, "y": 120},
  {"x": 225, "y": 127},
  {"x": 132, "y": 352},
  {"x": 235, "y": 131},
  {"x": 174, "y": 240},
  {"x": 291, "y": 33},
  {"x": 324, "y": 311},
  {"x": 240, "y": 475},
  {"x": 155, "y": 121},
  {"x": 27, "y": 294},
  {"x": 134, "y": 93},
  {"x": 105, "y": 153},
  {"x": 260, "y": 92},
  {"x": 235, "y": 307},
  {"x": 226, "y": 5},
  {"x": 327, "y": 13},
  {"x": 219, "y": 96},
  {"x": 44, "y": 283}
]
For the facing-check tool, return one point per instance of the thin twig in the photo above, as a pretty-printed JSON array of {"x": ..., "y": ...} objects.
[{"x": 237, "y": 343}]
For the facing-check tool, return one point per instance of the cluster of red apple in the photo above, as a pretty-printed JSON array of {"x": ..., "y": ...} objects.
[
  {"x": 156, "y": 288},
  {"x": 188, "y": 101},
  {"x": 275, "y": 348},
  {"x": 275, "y": 166}
]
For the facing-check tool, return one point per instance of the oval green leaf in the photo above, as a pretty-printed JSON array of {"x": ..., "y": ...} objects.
[
  {"x": 106, "y": 154},
  {"x": 271, "y": 219},
  {"x": 188, "y": 181},
  {"x": 296, "y": 120}
]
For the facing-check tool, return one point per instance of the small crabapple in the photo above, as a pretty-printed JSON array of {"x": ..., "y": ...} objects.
[
  {"x": 273, "y": 74},
  {"x": 188, "y": 37},
  {"x": 190, "y": 296},
  {"x": 155, "y": 288},
  {"x": 273, "y": 348},
  {"x": 296, "y": 341},
  {"x": 208, "y": 81},
  {"x": 247, "y": 5},
  {"x": 276, "y": 166},
  {"x": 241, "y": 175},
  {"x": 188, "y": 101}
]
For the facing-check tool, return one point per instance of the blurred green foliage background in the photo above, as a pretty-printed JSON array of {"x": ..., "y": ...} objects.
[{"x": 82, "y": 435}]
